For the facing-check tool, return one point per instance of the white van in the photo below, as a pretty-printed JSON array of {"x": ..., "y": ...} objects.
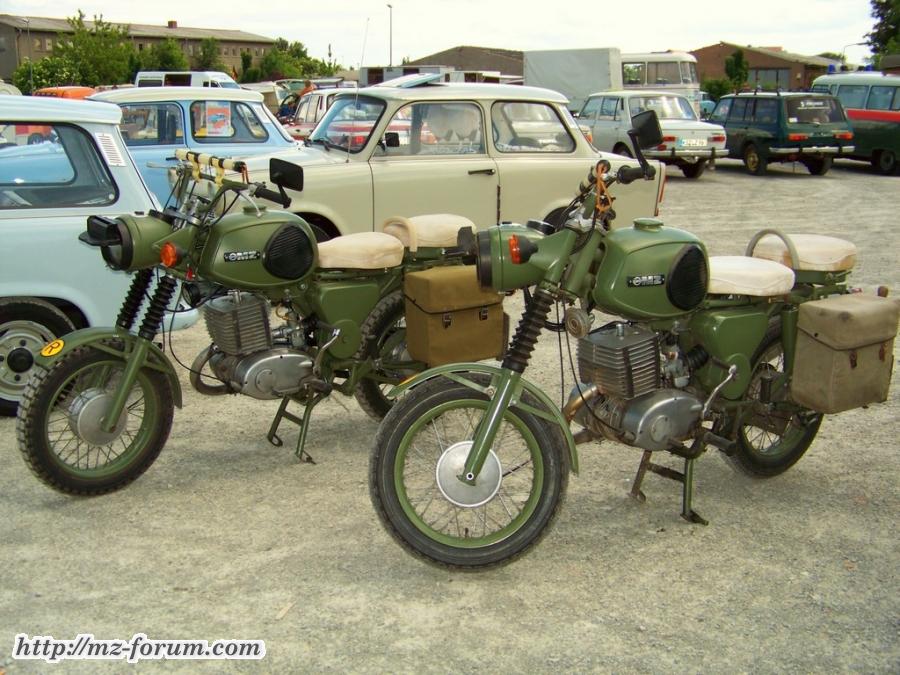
[{"x": 187, "y": 78}]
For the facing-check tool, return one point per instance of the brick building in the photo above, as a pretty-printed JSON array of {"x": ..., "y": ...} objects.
[
  {"x": 33, "y": 37},
  {"x": 770, "y": 67}
]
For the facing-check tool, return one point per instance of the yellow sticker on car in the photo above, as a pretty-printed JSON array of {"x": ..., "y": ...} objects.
[{"x": 53, "y": 348}]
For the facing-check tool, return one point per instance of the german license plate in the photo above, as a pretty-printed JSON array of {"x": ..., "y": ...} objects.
[{"x": 692, "y": 143}]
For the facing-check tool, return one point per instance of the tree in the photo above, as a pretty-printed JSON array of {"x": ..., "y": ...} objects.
[
  {"x": 209, "y": 56},
  {"x": 885, "y": 35},
  {"x": 737, "y": 69},
  {"x": 48, "y": 72},
  {"x": 716, "y": 87},
  {"x": 165, "y": 55},
  {"x": 246, "y": 60},
  {"x": 834, "y": 56},
  {"x": 100, "y": 53}
]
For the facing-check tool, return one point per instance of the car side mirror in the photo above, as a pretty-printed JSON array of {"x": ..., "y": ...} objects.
[
  {"x": 286, "y": 174},
  {"x": 645, "y": 129},
  {"x": 391, "y": 139}
]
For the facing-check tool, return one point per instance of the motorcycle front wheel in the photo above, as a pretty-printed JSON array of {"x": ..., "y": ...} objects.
[
  {"x": 59, "y": 423},
  {"x": 420, "y": 450},
  {"x": 773, "y": 435}
]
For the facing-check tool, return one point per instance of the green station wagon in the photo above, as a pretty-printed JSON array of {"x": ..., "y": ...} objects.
[{"x": 764, "y": 127}]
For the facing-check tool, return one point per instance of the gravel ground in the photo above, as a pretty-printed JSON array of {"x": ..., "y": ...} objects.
[{"x": 228, "y": 537}]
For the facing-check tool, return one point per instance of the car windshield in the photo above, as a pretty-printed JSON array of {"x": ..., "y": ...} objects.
[
  {"x": 349, "y": 122},
  {"x": 813, "y": 110},
  {"x": 667, "y": 107}
]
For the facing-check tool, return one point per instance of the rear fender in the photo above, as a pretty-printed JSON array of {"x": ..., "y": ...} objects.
[
  {"x": 104, "y": 339},
  {"x": 457, "y": 372}
]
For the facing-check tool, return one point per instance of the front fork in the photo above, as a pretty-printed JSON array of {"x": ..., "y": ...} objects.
[
  {"x": 153, "y": 318},
  {"x": 514, "y": 364}
]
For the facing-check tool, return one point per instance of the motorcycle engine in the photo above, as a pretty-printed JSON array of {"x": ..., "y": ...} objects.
[
  {"x": 628, "y": 389},
  {"x": 246, "y": 356}
]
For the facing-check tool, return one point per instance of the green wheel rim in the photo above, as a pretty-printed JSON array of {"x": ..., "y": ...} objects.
[
  {"x": 77, "y": 456},
  {"x": 421, "y": 509}
]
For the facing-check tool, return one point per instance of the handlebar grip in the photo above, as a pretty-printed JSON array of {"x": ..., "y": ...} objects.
[
  {"x": 629, "y": 174},
  {"x": 272, "y": 196}
]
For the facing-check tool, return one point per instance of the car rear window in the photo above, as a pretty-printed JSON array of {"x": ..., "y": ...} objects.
[
  {"x": 524, "y": 126},
  {"x": 51, "y": 166},
  {"x": 813, "y": 110},
  {"x": 225, "y": 122}
]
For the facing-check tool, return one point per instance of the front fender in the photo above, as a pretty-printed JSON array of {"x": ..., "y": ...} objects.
[
  {"x": 455, "y": 372},
  {"x": 99, "y": 338}
]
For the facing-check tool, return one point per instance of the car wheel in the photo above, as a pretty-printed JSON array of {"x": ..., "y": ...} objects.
[
  {"x": 622, "y": 149},
  {"x": 754, "y": 162},
  {"x": 885, "y": 161},
  {"x": 818, "y": 166},
  {"x": 26, "y": 325},
  {"x": 694, "y": 170}
]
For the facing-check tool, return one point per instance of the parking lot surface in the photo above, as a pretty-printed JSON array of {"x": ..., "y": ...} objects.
[{"x": 228, "y": 537}]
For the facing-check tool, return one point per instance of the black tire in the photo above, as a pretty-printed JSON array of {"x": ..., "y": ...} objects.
[
  {"x": 776, "y": 436},
  {"x": 384, "y": 338},
  {"x": 694, "y": 170},
  {"x": 61, "y": 406},
  {"x": 818, "y": 166},
  {"x": 451, "y": 539},
  {"x": 623, "y": 150},
  {"x": 755, "y": 163},
  {"x": 885, "y": 162},
  {"x": 26, "y": 325}
]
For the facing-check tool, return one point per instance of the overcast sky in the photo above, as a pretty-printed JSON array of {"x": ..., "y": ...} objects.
[{"x": 359, "y": 31}]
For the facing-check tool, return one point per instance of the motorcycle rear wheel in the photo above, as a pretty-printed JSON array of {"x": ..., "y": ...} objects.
[
  {"x": 384, "y": 342},
  {"x": 58, "y": 426},
  {"x": 774, "y": 438},
  {"x": 418, "y": 453}
]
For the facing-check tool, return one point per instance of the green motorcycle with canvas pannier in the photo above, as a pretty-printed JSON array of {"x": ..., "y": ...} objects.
[
  {"x": 290, "y": 319},
  {"x": 740, "y": 353}
]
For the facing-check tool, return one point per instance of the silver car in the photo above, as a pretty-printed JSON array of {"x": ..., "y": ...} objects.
[{"x": 687, "y": 143}]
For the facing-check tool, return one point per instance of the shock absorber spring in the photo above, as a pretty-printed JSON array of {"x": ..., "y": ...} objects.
[
  {"x": 134, "y": 299},
  {"x": 157, "y": 309},
  {"x": 527, "y": 333}
]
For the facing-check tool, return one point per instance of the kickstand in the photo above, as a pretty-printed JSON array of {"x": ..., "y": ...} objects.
[
  {"x": 312, "y": 400},
  {"x": 686, "y": 479}
]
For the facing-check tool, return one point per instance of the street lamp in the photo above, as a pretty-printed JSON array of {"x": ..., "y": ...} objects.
[
  {"x": 390, "y": 35},
  {"x": 30, "y": 57},
  {"x": 852, "y": 44}
]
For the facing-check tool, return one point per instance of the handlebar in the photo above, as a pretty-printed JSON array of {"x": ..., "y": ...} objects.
[
  {"x": 209, "y": 160},
  {"x": 629, "y": 174},
  {"x": 272, "y": 195}
]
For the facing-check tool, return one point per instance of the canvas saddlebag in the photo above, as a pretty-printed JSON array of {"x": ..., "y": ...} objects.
[
  {"x": 845, "y": 352},
  {"x": 450, "y": 318}
]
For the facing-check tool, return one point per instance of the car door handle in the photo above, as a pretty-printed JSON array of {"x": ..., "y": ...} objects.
[{"x": 485, "y": 172}]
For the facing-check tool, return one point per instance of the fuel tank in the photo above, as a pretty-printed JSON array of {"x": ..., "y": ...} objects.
[
  {"x": 258, "y": 250},
  {"x": 651, "y": 272}
]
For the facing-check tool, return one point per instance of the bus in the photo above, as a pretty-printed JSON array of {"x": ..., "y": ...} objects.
[
  {"x": 668, "y": 71},
  {"x": 872, "y": 102}
]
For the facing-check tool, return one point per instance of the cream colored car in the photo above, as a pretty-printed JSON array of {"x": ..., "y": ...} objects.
[{"x": 491, "y": 153}]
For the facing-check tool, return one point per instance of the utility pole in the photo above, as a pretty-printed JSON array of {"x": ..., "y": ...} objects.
[{"x": 390, "y": 35}]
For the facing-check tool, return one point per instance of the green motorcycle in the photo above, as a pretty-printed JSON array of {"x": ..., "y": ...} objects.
[
  {"x": 740, "y": 353},
  {"x": 99, "y": 408}
]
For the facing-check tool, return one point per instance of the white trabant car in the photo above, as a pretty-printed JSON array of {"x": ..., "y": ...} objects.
[
  {"x": 51, "y": 283},
  {"x": 491, "y": 153},
  {"x": 688, "y": 143}
]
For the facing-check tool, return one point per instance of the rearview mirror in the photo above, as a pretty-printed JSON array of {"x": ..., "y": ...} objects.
[
  {"x": 286, "y": 174},
  {"x": 645, "y": 129}
]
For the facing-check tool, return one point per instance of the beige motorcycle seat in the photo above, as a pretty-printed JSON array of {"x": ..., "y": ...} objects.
[
  {"x": 362, "y": 251},
  {"x": 817, "y": 252},
  {"x": 742, "y": 275},
  {"x": 430, "y": 230}
]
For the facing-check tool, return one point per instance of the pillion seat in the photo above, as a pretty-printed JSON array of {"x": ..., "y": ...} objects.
[{"x": 437, "y": 230}]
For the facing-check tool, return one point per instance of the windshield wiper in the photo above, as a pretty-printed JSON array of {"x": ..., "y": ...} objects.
[{"x": 324, "y": 142}]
